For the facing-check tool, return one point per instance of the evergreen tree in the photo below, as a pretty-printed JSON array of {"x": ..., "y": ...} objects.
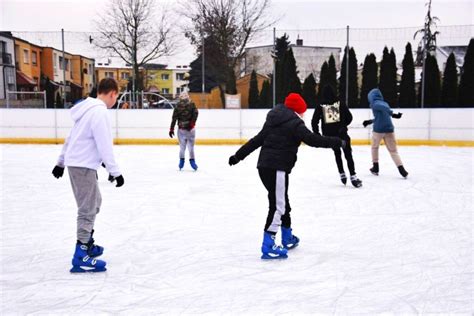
[
  {"x": 407, "y": 97},
  {"x": 369, "y": 79},
  {"x": 281, "y": 47},
  {"x": 195, "y": 76},
  {"x": 291, "y": 81},
  {"x": 353, "y": 83},
  {"x": 449, "y": 93},
  {"x": 309, "y": 91},
  {"x": 432, "y": 83},
  {"x": 253, "y": 91},
  {"x": 388, "y": 77},
  {"x": 466, "y": 87},
  {"x": 332, "y": 73},
  {"x": 264, "y": 96},
  {"x": 323, "y": 80}
]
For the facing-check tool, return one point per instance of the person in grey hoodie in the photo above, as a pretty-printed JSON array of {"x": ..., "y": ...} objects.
[
  {"x": 88, "y": 146},
  {"x": 383, "y": 129}
]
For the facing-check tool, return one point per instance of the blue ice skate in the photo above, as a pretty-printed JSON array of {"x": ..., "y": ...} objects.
[
  {"x": 192, "y": 162},
  {"x": 270, "y": 250},
  {"x": 82, "y": 262},
  {"x": 181, "y": 163},
  {"x": 94, "y": 250},
  {"x": 288, "y": 240}
]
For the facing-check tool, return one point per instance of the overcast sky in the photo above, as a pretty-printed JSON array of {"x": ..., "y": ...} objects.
[{"x": 78, "y": 15}]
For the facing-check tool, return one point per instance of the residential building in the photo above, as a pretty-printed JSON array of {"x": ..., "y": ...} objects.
[
  {"x": 442, "y": 53},
  {"x": 7, "y": 64},
  {"x": 309, "y": 59},
  {"x": 83, "y": 73},
  {"x": 28, "y": 65},
  {"x": 114, "y": 68},
  {"x": 180, "y": 79},
  {"x": 158, "y": 78}
]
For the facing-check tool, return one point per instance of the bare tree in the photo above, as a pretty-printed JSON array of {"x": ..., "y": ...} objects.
[
  {"x": 428, "y": 41},
  {"x": 226, "y": 26},
  {"x": 132, "y": 30}
]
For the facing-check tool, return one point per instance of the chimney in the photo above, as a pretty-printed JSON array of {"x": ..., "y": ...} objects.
[{"x": 299, "y": 42}]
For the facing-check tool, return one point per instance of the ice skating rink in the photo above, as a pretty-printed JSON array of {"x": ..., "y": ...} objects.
[{"x": 189, "y": 242}]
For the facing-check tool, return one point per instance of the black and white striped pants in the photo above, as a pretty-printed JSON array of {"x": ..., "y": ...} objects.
[{"x": 276, "y": 183}]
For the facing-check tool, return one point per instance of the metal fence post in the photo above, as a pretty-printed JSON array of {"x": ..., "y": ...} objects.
[{"x": 8, "y": 100}]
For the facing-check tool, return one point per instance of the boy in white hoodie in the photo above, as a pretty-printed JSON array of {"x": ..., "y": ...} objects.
[{"x": 89, "y": 145}]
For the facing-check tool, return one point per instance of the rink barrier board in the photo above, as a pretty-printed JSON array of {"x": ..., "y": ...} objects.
[{"x": 150, "y": 141}]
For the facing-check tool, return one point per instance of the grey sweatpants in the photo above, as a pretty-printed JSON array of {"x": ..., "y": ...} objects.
[
  {"x": 186, "y": 139},
  {"x": 88, "y": 199}
]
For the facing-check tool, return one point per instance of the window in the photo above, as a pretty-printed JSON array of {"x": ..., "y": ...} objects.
[
  {"x": 124, "y": 75},
  {"x": 34, "y": 58},
  {"x": 179, "y": 90},
  {"x": 165, "y": 76},
  {"x": 10, "y": 75},
  {"x": 165, "y": 90},
  {"x": 67, "y": 64},
  {"x": 109, "y": 74},
  {"x": 26, "y": 56},
  {"x": 90, "y": 69},
  {"x": 61, "y": 62},
  {"x": 180, "y": 76}
]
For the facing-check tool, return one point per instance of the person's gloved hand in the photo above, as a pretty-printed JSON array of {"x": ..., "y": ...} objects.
[
  {"x": 233, "y": 160},
  {"x": 397, "y": 115},
  {"x": 111, "y": 178},
  {"x": 171, "y": 133},
  {"x": 367, "y": 122},
  {"x": 103, "y": 165},
  {"x": 119, "y": 179},
  {"x": 58, "y": 172}
]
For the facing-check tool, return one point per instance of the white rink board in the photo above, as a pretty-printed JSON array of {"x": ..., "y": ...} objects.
[{"x": 416, "y": 124}]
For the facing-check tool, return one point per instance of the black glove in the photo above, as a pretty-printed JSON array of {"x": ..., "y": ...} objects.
[
  {"x": 171, "y": 133},
  {"x": 367, "y": 122},
  {"x": 233, "y": 160},
  {"x": 58, "y": 172},
  {"x": 120, "y": 181},
  {"x": 103, "y": 165},
  {"x": 111, "y": 178},
  {"x": 397, "y": 115}
]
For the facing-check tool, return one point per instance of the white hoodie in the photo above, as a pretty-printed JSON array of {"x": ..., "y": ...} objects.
[{"x": 90, "y": 141}]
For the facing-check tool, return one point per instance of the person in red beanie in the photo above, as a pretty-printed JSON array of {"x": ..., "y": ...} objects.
[{"x": 280, "y": 138}]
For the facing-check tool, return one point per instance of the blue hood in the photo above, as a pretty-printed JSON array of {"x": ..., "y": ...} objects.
[{"x": 374, "y": 95}]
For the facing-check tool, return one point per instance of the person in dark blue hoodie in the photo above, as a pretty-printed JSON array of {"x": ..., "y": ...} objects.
[
  {"x": 335, "y": 118},
  {"x": 280, "y": 137},
  {"x": 383, "y": 129}
]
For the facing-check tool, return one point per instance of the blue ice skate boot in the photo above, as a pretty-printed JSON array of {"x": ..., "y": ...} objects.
[
  {"x": 82, "y": 262},
  {"x": 192, "y": 162},
  {"x": 94, "y": 250},
  {"x": 270, "y": 250},
  {"x": 181, "y": 163},
  {"x": 288, "y": 240}
]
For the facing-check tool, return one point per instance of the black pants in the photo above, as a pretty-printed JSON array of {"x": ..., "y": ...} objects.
[
  {"x": 276, "y": 183},
  {"x": 347, "y": 153}
]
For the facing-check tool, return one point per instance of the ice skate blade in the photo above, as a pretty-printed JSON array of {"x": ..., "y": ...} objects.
[
  {"x": 268, "y": 256},
  {"x": 290, "y": 246},
  {"x": 79, "y": 269}
]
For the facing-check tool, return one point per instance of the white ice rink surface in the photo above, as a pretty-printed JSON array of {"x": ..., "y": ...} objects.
[{"x": 189, "y": 242}]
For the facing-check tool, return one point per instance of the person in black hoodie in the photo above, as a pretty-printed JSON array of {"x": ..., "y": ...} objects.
[
  {"x": 280, "y": 138},
  {"x": 335, "y": 118}
]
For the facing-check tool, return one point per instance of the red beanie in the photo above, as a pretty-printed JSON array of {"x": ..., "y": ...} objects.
[{"x": 296, "y": 103}]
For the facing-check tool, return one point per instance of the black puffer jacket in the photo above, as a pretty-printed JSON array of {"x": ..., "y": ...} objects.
[
  {"x": 280, "y": 138},
  {"x": 331, "y": 129}
]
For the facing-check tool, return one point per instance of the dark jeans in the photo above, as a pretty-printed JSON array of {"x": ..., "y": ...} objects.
[{"x": 276, "y": 183}]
